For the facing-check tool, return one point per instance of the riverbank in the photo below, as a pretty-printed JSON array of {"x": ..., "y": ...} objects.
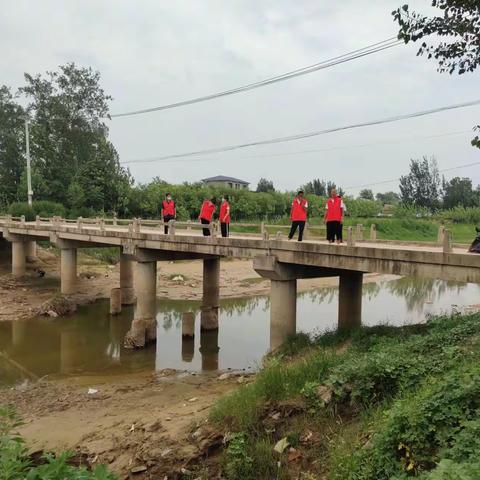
[{"x": 181, "y": 280}]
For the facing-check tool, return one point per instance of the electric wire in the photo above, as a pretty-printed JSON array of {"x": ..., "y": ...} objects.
[
  {"x": 346, "y": 57},
  {"x": 302, "y": 136}
]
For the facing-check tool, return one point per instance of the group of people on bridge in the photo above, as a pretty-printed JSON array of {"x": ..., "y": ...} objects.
[{"x": 333, "y": 217}]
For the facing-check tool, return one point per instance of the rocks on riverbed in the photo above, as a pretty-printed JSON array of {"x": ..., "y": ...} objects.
[{"x": 58, "y": 306}]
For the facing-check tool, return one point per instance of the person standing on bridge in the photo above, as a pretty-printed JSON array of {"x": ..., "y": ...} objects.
[
  {"x": 334, "y": 211},
  {"x": 225, "y": 216},
  {"x": 169, "y": 212},
  {"x": 298, "y": 215},
  {"x": 206, "y": 214}
]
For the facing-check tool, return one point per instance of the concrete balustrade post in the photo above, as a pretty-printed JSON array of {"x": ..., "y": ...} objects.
[
  {"x": 350, "y": 237},
  {"x": 447, "y": 241},
  {"x": 211, "y": 293},
  {"x": 373, "y": 232},
  {"x": 283, "y": 311},
  {"x": 350, "y": 300},
  {"x": 126, "y": 280},
  {"x": 68, "y": 270},
  {"x": 19, "y": 258},
  {"x": 441, "y": 234}
]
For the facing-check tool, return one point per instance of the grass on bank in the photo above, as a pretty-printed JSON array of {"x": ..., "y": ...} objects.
[{"x": 386, "y": 403}]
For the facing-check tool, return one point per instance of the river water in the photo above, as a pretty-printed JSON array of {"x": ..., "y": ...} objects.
[{"x": 90, "y": 341}]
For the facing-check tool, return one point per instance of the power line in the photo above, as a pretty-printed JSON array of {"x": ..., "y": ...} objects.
[
  {"x": 382, "y": 182},
  {"x": 319, "y": 150},
  {"x": 302, "y": 136},
  {"x": 346, "y": 57}
]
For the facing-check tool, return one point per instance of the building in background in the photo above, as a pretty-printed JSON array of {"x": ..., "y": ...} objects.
[{"x": 229, "y": 182}]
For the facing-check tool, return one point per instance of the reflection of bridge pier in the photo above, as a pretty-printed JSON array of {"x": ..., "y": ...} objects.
[{"x": 209, "y": 349}]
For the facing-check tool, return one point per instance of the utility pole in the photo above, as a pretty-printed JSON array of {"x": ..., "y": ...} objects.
[{"x": 29, "y": 172}]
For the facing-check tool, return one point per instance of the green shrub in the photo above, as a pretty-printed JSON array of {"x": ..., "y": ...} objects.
[{"x": 18, "y": 209}]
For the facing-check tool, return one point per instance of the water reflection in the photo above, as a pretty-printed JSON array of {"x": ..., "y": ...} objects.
[{"x": 91, "y": 341}]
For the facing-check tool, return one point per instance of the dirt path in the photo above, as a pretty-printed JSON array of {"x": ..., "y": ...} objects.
[
  {"x": 21, "y": 298},
  {"x": 154, "y": 422}
]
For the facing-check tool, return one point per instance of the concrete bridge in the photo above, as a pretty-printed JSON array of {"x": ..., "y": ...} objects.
[{"x": 143, "y": 243}]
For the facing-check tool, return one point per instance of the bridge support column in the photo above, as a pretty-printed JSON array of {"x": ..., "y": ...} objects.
[
  {"x": 144, "y": 324},
  {"x": 126, "y": 280},
  {"x": 211, "y": 293},
  {"x": 31, "y": 251},
  {"x": 350, "y": 300},
  {"x": 68, "y": 270},
  {"x": 18, "y": 259},
  {"x": 283, "y": 311}
]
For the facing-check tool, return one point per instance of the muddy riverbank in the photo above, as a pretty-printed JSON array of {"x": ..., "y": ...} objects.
[{"x": 153, "y": 423}]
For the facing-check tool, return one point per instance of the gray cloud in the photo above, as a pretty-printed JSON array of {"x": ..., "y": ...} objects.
[{"x": 150, "y": 53}]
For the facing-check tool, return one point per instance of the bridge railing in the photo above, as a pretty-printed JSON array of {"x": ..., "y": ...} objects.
[{"x": 358, "y": 233}]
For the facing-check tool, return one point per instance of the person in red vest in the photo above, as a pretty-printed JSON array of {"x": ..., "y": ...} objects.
[
  {"x": 206, "y": 214},
  {"x": 225, "y": 216},
  {"x": 298, "y": 215},
  {"x": 334, "y": 211},
  {"x": 169, "y": 212}
]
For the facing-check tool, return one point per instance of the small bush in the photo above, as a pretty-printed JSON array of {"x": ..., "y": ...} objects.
[
  {"x": 18, "y": 209},
  {"x": 43, "y": 208}
]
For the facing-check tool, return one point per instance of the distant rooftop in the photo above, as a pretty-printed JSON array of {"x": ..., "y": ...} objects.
[{"x": 223, "y": 178}]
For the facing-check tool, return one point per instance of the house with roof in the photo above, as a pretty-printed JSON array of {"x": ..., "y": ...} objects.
[{"x": 228, "y": 182}]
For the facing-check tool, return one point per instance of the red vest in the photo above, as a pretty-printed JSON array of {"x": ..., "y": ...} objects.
[
  {"x": 207, "y": 210},
  {"x": 224, "y": 218},
  {"x": 334, "y": 209},
  {"x": 168, "y": 208},
  {"x": 299, "y": 210}
]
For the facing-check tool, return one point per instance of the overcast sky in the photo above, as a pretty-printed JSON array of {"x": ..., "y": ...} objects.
[{"x": 154, "y": 52}]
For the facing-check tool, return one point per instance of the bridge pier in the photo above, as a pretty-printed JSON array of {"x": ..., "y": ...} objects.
[
  {"x": 211, "y": 294},
  {"x": 144, "y": 324},
  {"x": 283, "y": 311},
  {"x": 126, "y": 279},
  {"x": 19, "y": 258},
  {"x": 68, "y": 270},
  {"x": 350, "y": 300},
  {"x": 31, "y": 250}
]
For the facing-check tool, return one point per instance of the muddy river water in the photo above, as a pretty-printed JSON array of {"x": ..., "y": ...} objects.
[{"x": 90, "y": 341}]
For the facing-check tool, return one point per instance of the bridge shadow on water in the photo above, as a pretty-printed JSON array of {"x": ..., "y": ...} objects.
[{"x": 90, "y": 342}]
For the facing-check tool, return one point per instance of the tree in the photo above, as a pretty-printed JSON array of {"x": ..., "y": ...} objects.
[
  {"x": 459, "y": 22},
  {"x": 265, "y": 186},
  {"x": 69, "y": 140},
  {"x": 458, "y": 191},
  {"x": 388, "y": 198},
  {"x": 421, "y": 187},
  {"x": 366, "y": 194},
  {"x": 12, "y": 138}
]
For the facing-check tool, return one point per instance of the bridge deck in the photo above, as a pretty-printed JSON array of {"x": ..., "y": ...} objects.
[{"x": 366, "y": 256}]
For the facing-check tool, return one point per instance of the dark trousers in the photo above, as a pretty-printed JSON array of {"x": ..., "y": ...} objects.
[
  {"x": 300, "y": 224},
  {"x": 225, "y": 227},
  {"x": 334, "y": 231},
  {"x": 166, "y": 219},
  {"x": 206, "y": 231}
]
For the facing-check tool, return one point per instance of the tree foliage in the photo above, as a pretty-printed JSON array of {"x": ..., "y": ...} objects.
[
  {"x": 73, "y": 160},
  {"x": 422, "y": 186},
  {"x": 322, "y": 188},
  {"x": 459, "y": 192},
  {"x": 388, "y": 198},
  {"x": 458, "y": 23},
  {"x": 12, "y": 138},
  {"x": 265, "y": 185},
  {"x": 366, "y": 194}
]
